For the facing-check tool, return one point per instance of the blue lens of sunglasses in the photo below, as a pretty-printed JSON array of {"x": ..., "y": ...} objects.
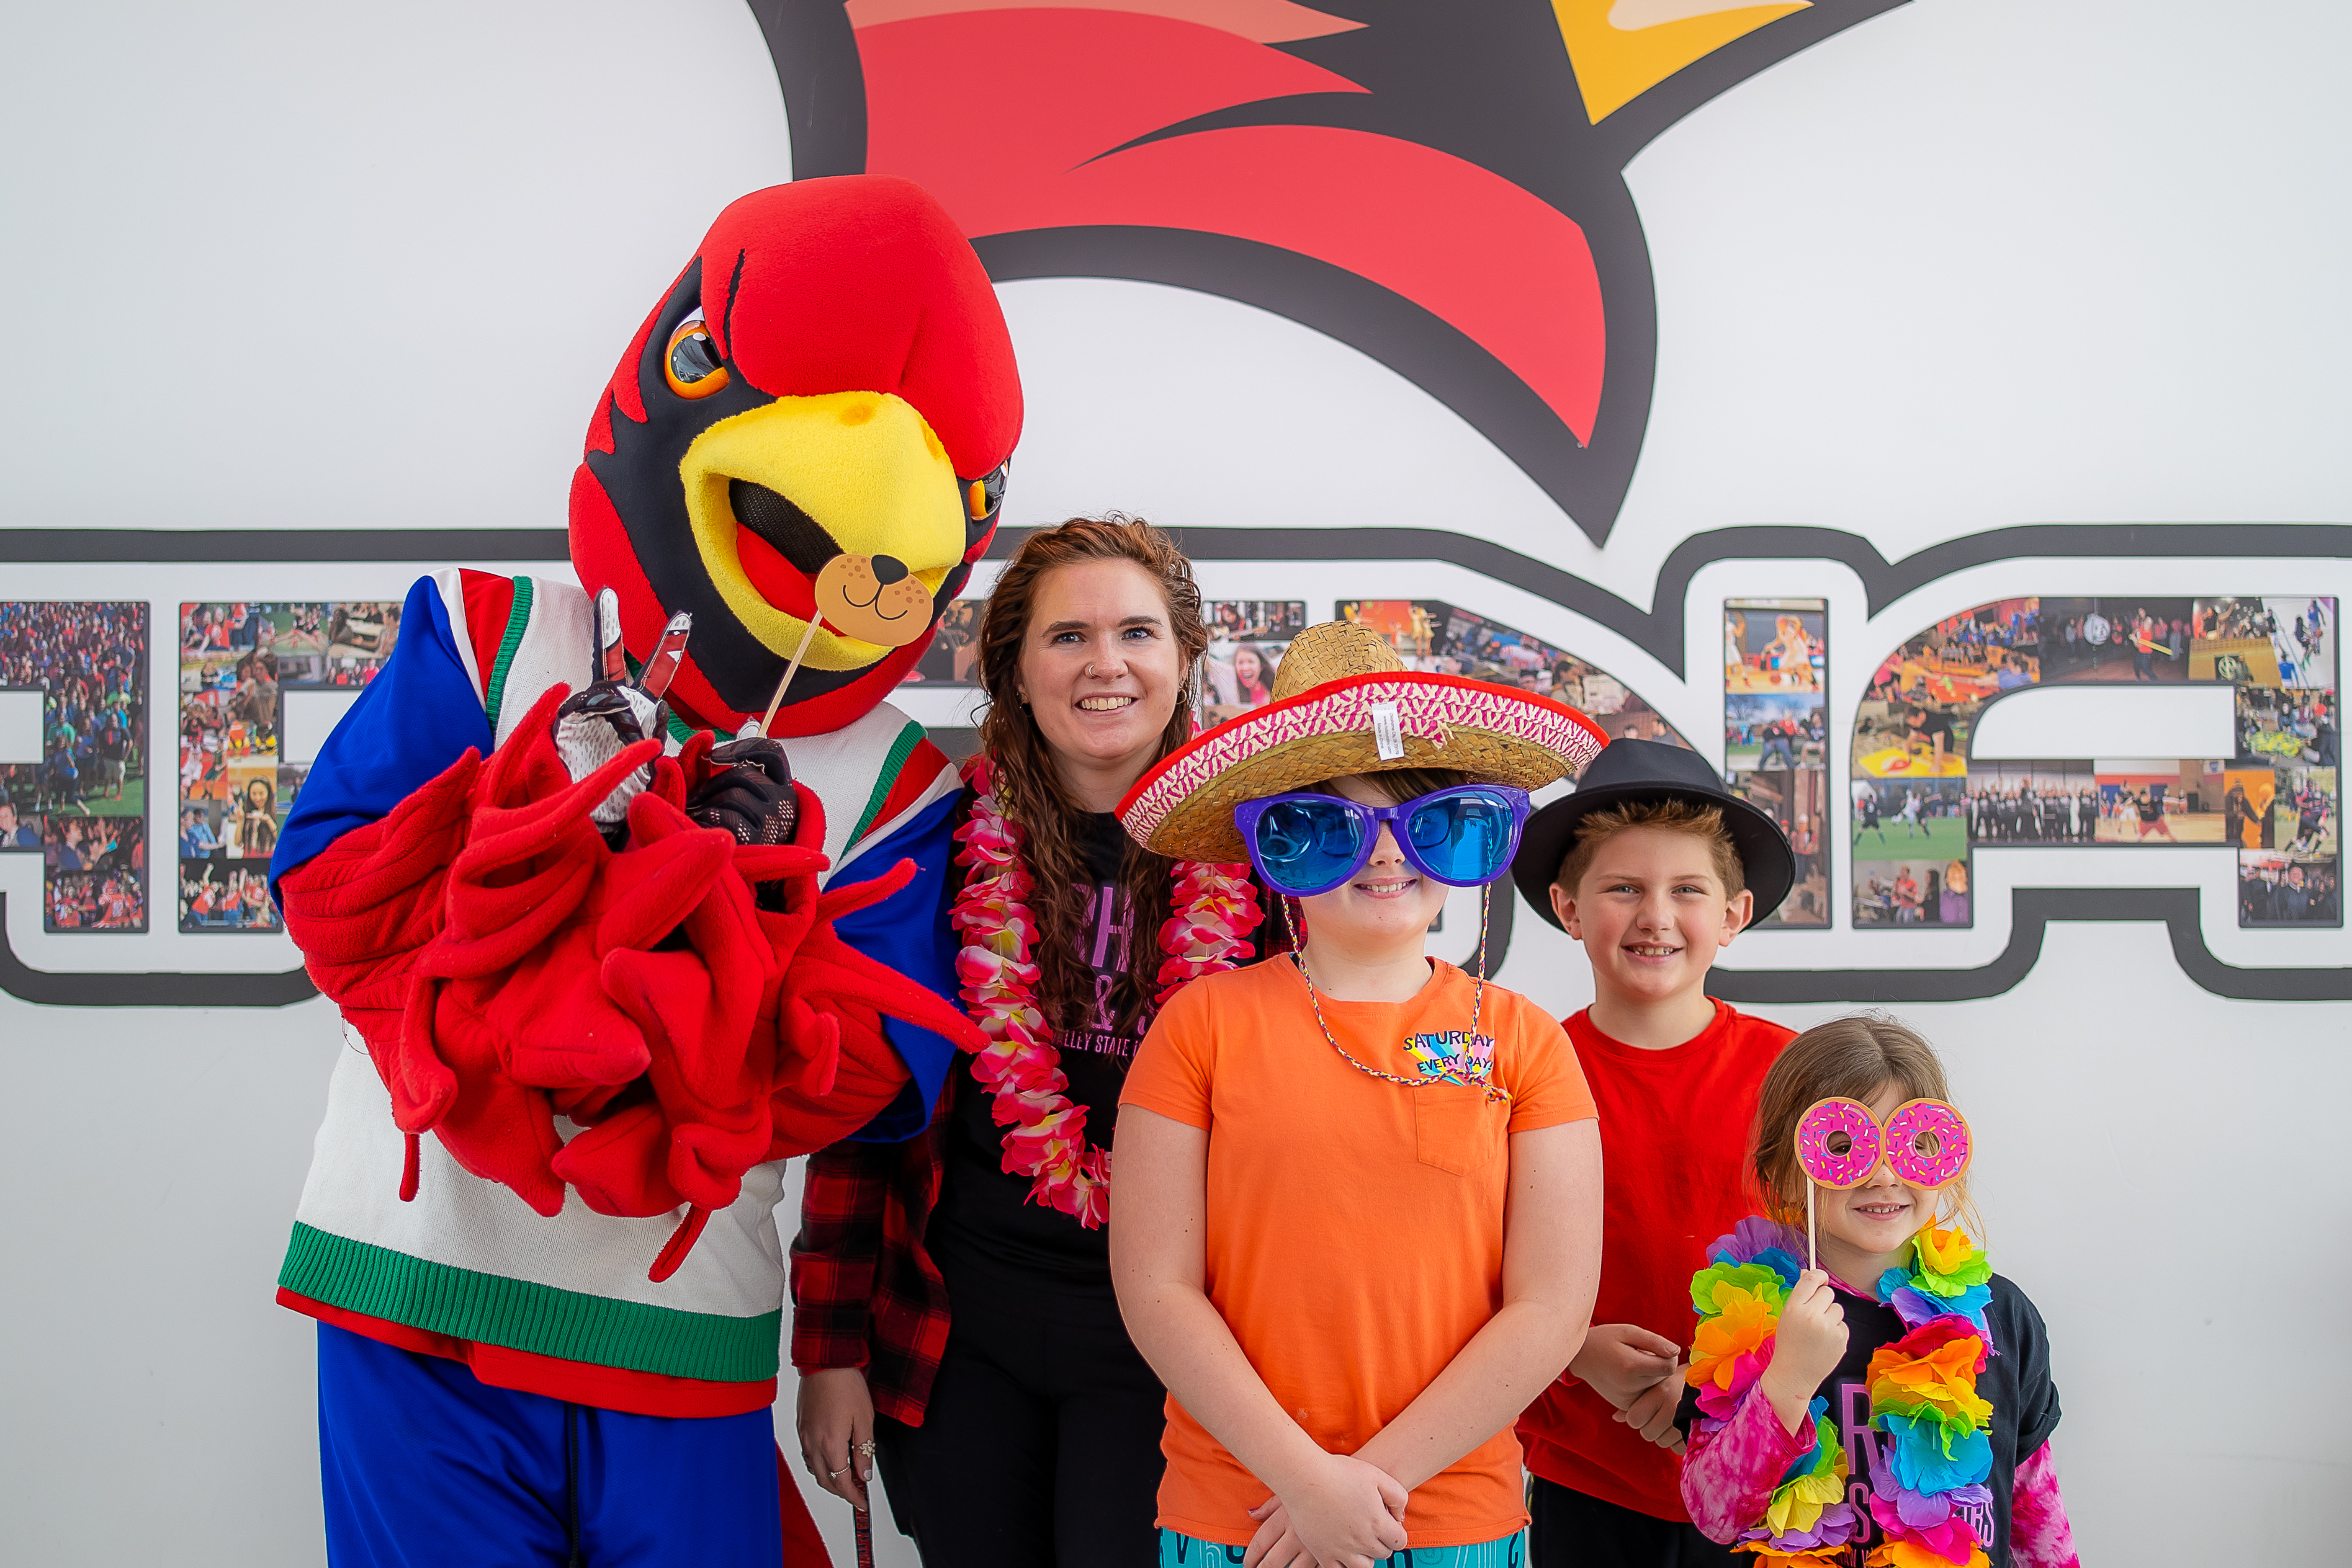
[
  {"x": 1462, "y": 838},
  {"x": 1308, "y": 843}
]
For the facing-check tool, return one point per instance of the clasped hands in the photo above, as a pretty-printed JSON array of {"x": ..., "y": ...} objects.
[
  {"x": 1349, "y": 1513},
  {"x": 1639, "y": 1372},
  {"x": 1343, "y": 1512}
]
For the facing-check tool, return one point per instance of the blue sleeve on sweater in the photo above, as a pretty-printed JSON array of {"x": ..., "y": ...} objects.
[
  {"x": 908, "y": 931},
  {"x": 418, "y": 715}
]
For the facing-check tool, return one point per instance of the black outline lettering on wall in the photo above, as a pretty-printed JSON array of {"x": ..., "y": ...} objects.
[{"x": 1660, "y": 632}]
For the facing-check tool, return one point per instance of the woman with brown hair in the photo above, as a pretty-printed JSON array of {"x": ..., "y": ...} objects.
[{"x": 1025, "y": 1428}]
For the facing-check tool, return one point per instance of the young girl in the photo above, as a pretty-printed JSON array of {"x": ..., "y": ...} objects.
[
  {"x": 1893, "y": 1406},
  {"x": 1357, "y": 1220}
]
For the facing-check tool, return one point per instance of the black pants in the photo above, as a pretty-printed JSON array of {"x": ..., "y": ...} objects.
[
  {"x": 1040, "y": 1445},
  {"x": 1570, "y": 1530}
]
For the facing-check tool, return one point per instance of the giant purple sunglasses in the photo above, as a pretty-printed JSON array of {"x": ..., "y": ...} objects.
[{"x": 1304, "y": 843}]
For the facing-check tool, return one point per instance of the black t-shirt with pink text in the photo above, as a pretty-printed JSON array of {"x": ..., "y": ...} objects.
[{"x": 985, "y": 1223}]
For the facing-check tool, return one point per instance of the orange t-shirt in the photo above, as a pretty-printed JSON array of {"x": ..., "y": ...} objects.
[{"x": 1355, "y": 1227}]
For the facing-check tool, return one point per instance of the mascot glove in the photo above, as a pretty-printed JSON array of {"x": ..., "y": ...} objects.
[
  {"x": 749, "y": 791},
  {"x": 597, "y": 725}
]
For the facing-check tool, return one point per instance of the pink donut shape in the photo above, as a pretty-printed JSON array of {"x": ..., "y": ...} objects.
[
  {"x": 1821, "y": 1122},
  {"x": 1919, "y": 1126}
]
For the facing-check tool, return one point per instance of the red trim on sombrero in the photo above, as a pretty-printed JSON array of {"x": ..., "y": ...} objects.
[{"x": 1277, "y": 716}]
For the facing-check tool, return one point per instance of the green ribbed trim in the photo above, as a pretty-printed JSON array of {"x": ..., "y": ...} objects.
[
  {"x": 901, "y": 749},
  {"x": 568, "y": 1324},
  {"x": 518, "y": 618}
]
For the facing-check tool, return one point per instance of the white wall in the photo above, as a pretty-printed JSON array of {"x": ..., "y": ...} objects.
[{"x": 1963, "y": 267}]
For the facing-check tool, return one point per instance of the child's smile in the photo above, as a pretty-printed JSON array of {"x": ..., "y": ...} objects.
[
  {"x": 1864, "y": 1231},
  {"x": 1651, "y": 912},
  {"x": 1386, "y": 904}
]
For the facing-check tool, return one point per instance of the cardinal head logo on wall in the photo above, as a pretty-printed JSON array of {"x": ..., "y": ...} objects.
[{"x": 1439, "y": 185}]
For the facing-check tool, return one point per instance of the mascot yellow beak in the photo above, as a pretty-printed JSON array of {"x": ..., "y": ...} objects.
[{"x": 778, "y": 492}]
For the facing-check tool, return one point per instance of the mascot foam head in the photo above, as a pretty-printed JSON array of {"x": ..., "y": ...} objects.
[{"x": 829, "y": 383}]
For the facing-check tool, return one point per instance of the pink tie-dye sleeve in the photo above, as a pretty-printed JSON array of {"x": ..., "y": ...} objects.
[
  {"x": 2039, "y": 1534},
  {"x": 1728, "y": 1476}
]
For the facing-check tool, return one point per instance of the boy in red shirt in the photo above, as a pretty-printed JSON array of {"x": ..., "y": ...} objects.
[{"x": 1653, "y": 866}]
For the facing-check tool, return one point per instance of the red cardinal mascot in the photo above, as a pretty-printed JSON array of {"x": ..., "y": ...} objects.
[{"x": 611, "y": 942}]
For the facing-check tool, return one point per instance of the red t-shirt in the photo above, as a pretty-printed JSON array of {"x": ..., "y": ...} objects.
[{"x": 1675, "y": 1126}]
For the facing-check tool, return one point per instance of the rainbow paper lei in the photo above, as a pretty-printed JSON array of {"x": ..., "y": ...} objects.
[
  {"x": 1046, "y": 1138},
  {"x": 1923, "y": 1397}
]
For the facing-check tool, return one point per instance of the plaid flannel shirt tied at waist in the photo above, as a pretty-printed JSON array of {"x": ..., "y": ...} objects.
[{"x": 864, "y": 1291}]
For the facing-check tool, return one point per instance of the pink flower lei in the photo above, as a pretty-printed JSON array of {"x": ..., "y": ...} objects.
[{"x": 1216, "y": 910}]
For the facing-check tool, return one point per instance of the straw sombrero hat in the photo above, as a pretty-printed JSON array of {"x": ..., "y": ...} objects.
[{"x": 1344, "y": 703}]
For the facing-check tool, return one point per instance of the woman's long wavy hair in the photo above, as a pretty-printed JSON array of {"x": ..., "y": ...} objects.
[{"x": 1030, "y": 786}]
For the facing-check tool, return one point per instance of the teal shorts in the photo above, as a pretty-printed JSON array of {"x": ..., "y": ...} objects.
[{"x": 1190, "y": 1551}]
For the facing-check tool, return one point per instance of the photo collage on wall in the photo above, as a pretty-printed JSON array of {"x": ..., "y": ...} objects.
[
  {"x": 1247, "y": 638},
  {"x": 1443, "y": 639},
  {"x": 953, "y": 656},
  {"x": 238, "y": 659},
  {"x": 1922, "y": 806},
  {"x": 82, "y": 808},
  {"x": 1776, "y": 735},
  {"x": 1439, "y": 639}
]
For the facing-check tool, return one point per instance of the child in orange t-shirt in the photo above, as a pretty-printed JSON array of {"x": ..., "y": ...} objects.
[
  {"x": 1356, "y": 1220},
  {"x": 1654, "y": 866}
]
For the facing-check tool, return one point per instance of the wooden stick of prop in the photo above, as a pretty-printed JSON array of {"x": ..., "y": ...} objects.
[
  {"x": 1812, "y": 1249},
  {"x": 790, "y": 670}
]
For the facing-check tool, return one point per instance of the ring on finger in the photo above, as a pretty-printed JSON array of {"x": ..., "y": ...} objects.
[
  {"x": 831, "y": 1474},
  {"x": 867, "y": 1447}
]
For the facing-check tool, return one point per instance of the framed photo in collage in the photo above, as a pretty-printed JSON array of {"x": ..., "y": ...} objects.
[
  {"x": 2276, "y": 801},
  {"x": 1776, "y": 735},
  {"x": 1429, "y": 635},
  {"x": 82, "y": 666},
  {"x": 237, "y": 660},
  {"x": 1247, "y": 638}
]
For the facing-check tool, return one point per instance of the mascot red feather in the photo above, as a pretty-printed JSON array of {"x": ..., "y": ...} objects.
[{"x": 613, "y": 930}]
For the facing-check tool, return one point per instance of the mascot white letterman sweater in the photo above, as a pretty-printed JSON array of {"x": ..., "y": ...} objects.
[{"x": 595, "y": 994}]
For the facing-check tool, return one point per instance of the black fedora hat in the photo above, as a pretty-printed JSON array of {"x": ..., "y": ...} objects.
[{"x": 1628, "y": 770}]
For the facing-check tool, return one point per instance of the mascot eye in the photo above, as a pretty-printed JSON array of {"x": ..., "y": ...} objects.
[
  {"x": 982, "y": 497},
  {"x": 690, "y": 364}
]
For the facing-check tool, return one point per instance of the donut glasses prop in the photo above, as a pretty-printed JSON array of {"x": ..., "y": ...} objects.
[{"x": 1840, "y": 1143}]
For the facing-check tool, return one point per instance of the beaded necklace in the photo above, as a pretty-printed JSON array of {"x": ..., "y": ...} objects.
[{"x": 1474, "y": 1071}]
